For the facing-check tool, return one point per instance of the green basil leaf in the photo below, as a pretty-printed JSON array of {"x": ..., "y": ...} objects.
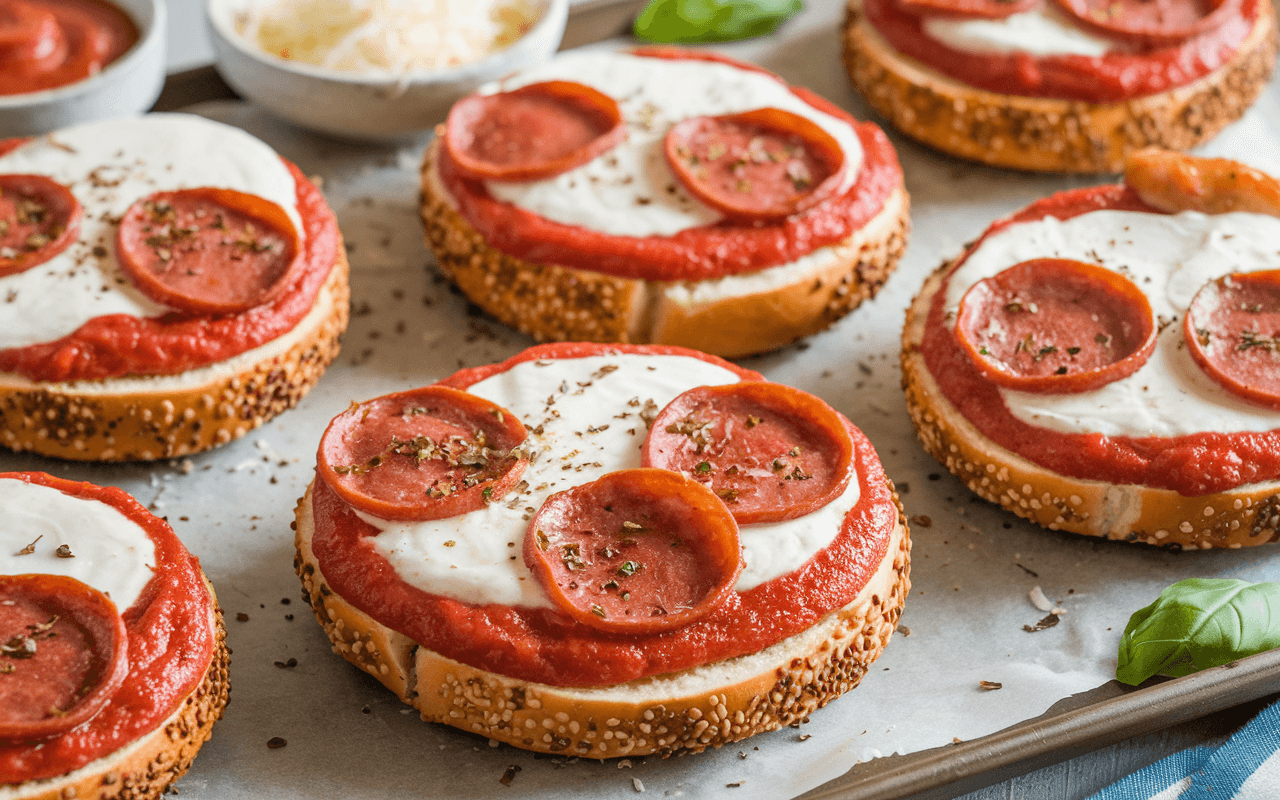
[
  {"x": 1199, "y": 623},
  {"x": 712, "y": 20}
]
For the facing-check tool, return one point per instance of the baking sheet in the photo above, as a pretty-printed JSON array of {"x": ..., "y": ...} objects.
[{"x": 973, "y": 565}]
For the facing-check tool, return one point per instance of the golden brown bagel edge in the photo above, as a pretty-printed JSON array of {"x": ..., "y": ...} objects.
[
  {"x": 1045, "y": 134},
  {"x": 689, "y": 711}
]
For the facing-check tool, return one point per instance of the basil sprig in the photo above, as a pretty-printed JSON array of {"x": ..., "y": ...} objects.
[
  {"x": 1199, "y": 623},
  {"x": 712, "y": 20}
]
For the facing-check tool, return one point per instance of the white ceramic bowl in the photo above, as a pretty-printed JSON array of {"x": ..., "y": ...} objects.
[
  {"x": 129, "y": 85},
  {"x": 358, "y": 106}
]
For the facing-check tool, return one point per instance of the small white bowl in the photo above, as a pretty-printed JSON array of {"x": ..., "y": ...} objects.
[
  {"x": 358, "y": 106},
  {"x": 127, "y": 86}
]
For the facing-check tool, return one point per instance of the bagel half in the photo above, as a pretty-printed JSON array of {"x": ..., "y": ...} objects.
[
  {"x": 146, "y": 767},
  {"x": 692, "y": 710},
  {"x": 1243, "y": 517},
  {"x": 554, "y": 303},
  {"x": 1045, "y": 134},
  {"x": 154, "y": 417}
]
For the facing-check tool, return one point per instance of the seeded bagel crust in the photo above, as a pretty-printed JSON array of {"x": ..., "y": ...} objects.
[
  {"x": 1242, "y": 517},
  {"x": 554, "y": 303},
  {"x": 1044, "y": 134},
  {"x": 144, "y": 769},
  {"x": 148, "y": 418},
  {"x": 692, "y": 710}
]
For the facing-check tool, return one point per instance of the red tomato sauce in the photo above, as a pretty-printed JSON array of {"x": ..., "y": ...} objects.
[
  {"x": 171, "y": 643},
  {"x": 701, "y": 253},
  {"x": 1196, "y": 464},
  {"x": 1117, "y": 76},
  {"x": 547, "y": 646},
  {"x": 45, "y": 44},
  {"x": 117, "y": 345}
]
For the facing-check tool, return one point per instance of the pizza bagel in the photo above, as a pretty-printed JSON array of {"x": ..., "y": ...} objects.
[
  {"x": 114, "y": 658},
  {"x": 171, "y": 284},
  {"x": 703, "y": 203},
  {"x": 1042, "y": 87},
  {"x": 582, "y": 550},
  {"x": 1103, "y": 361}
]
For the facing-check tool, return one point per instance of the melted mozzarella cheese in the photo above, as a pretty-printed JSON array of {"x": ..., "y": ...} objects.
[
  {"x": 108, "y": 166},
  {"x": 1170, "y": 258},
  {"x": 630, "y": 190},
  {"x": 588, "y": 419},
  {"x": 1042, "y": 31},
  {"x": 109, "y": 551}
]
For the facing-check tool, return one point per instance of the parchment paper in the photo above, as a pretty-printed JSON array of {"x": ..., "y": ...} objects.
[{"x": 973, "y": 565}]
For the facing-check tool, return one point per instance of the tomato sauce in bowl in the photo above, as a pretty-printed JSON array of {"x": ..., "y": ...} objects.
[{"x": 45, "y": 44}]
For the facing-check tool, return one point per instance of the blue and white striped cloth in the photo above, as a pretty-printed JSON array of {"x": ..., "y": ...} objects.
[{"x": 1247, "y": 767}]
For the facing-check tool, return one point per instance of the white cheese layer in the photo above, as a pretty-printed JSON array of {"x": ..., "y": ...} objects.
[
  {"x": 692, "y": 294},
  {"x": 630, "y": 190},
  {"x": 109, "y": 551},
  {"x": 1042, "y": 31},
  {"x": 1170, "y": 258},
  {"x": 108, "y": 166},
  {"x": 590, "y": 423}
]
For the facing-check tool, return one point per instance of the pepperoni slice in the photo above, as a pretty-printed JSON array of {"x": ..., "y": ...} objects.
[
  {"x": 428, "y": 453},
  {"x": 1233, "y": 332},
  {"x": 1056, "y": 325},
  {"x": 63, "y": 654},
  {"x": 39, "y": 218},
  {"x": 1151, "y": 23},
  {"x": 1176, "y": 182},
  {"x": 770, "y": 452},
  {"x": 984, "y": 9},
  {"x": 637, "y": 551},
  {"x": 533, "y": 132},
  {"x": 208, "y": 251},
  {"x": 759, "y": 165}
]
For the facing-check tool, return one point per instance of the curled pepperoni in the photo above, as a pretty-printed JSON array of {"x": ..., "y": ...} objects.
[
  {"x": 1233, "y": 332},
  {"x": 208, "y": 251},
  {"x": 39, "y": 218},
  {"x": 428, "y": 453},
  {"x": 1056, "y": 325},
  {"x": 533, "y": 132},
  {"x": 1176, "y": 182},
  {"x": 63, "y": 654},
  {"x": 1151, "y": 23},
  {"x": 759, "y": 165},
  {"x": 984, "y": 9},
  {"x": 637, "y": 551},
  {"x": 769, "y": 451}
]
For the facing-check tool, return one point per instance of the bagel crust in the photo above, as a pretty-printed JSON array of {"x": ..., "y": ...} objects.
[
  {"x": 126, "y": 419},
  {"x": 145, "y": 768},
  {"x": 554, "y": 303},
  {"x": 1045, "y": 134},
  {"x": 1242, "y": 517},
  {"x": 692, "y": 710}
]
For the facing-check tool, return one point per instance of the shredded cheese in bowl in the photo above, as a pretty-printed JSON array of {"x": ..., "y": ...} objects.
[{"x": 386, "y": 36}]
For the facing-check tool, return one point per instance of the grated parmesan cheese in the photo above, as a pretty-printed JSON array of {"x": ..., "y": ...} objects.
[{"x": 385, "y": 36}]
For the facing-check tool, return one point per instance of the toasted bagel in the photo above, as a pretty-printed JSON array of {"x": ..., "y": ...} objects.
[
  {"x": 1045, "y": 134},
  {"x": 554, "y": 303},
  {"x": 707, "y": 706},
  {"x": 155, "y": 417},
  {"x": 147, "y": 766},
  {"x": 1242, "y": 517}
]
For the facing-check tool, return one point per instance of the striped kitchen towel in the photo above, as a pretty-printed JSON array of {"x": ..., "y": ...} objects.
[{"x": 1247, "y": 767}]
